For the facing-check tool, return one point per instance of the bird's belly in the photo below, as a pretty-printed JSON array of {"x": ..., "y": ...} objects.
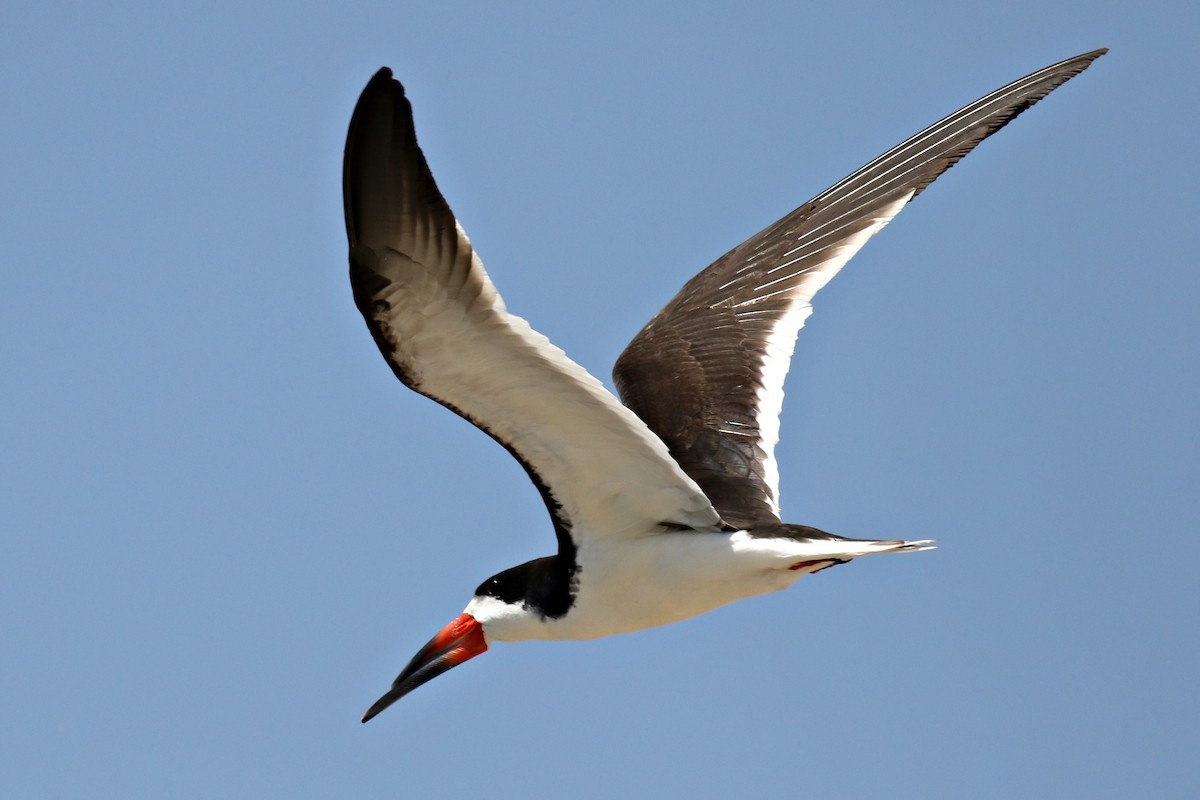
[{"x": 662, "y": 579}]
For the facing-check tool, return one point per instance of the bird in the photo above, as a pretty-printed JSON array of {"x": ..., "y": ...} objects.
[{"x": 664, "y": 503}]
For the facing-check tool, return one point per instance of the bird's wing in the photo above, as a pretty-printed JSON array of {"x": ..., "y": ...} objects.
[
  {"x": 706, "y": 373},
  {"x": 444, "y": 330}
]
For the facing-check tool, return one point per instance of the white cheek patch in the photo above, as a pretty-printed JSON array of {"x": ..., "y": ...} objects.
[{"x": 506, "y": 622}]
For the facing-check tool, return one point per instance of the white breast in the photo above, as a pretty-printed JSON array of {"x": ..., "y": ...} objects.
[{"x": 660, "y": 578}]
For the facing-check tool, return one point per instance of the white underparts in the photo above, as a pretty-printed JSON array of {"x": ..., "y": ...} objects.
[{"x": 668, "y": 577}]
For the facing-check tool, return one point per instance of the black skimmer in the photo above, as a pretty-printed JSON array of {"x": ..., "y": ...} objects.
[{"x": 665, "y": 506}]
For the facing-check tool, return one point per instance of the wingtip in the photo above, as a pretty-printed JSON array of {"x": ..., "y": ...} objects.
[
  {"x": 1083, "y": 60},
  {"x": 384, "y": 80}
]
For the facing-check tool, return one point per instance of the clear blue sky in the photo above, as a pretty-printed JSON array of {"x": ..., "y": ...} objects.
[{"x": 225, "y": 527}]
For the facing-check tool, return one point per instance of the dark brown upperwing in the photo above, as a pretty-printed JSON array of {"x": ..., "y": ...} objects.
[{"x": 706, "y": 373}]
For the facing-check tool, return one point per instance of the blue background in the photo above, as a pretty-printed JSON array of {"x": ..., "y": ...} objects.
[{"x": 225, "y": 527}]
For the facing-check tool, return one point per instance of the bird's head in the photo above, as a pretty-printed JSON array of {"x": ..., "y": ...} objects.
[{"x": 511, "y": 606}]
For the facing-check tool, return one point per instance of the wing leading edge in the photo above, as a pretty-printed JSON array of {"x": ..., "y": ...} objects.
[{"x": 443, "y": 328}]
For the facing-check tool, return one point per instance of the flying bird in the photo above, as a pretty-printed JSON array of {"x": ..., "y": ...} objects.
[{"x": 665, "y": 503}]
